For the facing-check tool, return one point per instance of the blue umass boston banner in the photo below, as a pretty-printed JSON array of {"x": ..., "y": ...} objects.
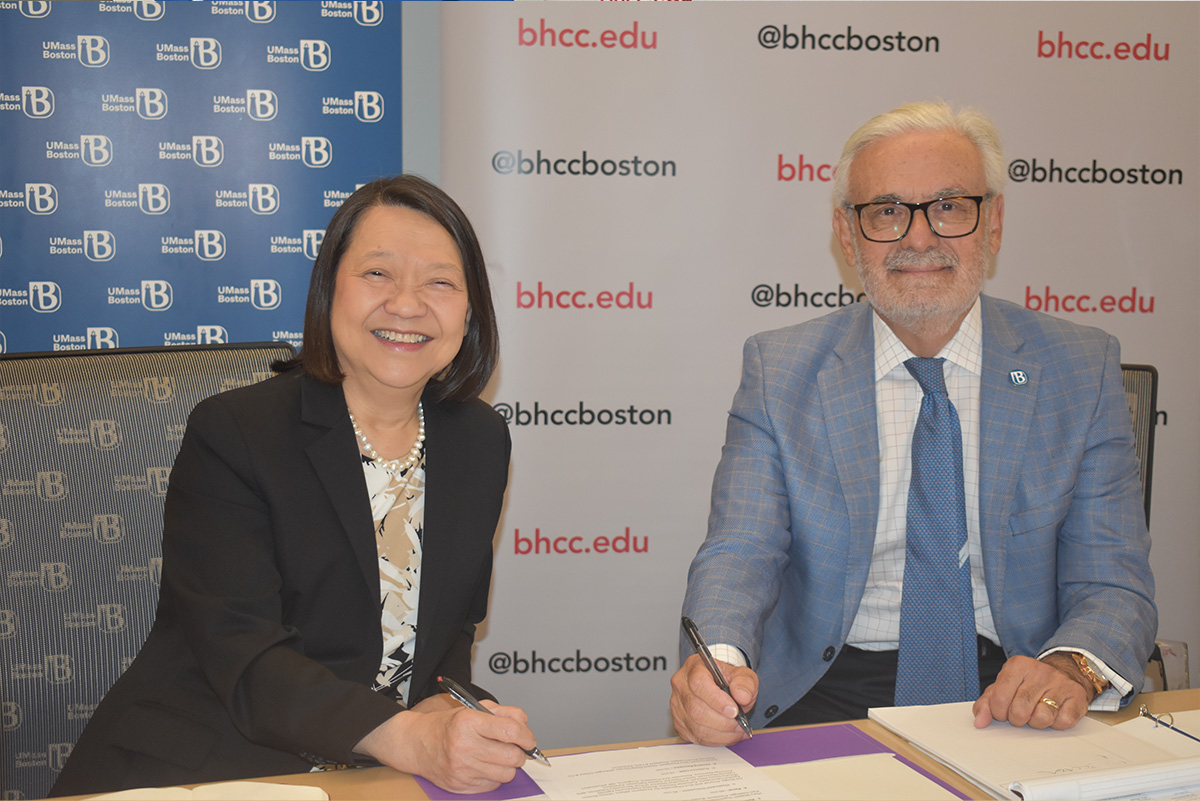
[{"x": 169, "y": 168}]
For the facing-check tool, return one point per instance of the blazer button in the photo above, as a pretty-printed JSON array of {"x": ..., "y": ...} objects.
[
  {"x": 829, "y": 653},
  {"x": 772, "y": 710}
]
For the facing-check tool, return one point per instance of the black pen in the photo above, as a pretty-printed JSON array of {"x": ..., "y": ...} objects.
[
  {"x": 466, "y": 699},
  {"x": 693, "y": 634}
]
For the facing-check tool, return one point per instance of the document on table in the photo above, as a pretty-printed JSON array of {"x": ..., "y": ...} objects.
[
  {"x": 656, "y": 772},
  {"x": 839, "y": 761},
  {"x": 1090, "y": 761},
  {"x": 856, "y": 778},
  {"x": 221, "y": 791}
]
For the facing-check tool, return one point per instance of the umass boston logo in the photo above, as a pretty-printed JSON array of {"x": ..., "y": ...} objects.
[{"x": 264, "y": 294}]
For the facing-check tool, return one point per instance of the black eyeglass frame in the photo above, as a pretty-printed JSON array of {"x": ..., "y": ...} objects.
[{"x": 913, "y": 208}]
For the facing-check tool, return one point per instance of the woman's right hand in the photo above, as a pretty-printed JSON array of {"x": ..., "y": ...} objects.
[{"x": 458, "y": 749}]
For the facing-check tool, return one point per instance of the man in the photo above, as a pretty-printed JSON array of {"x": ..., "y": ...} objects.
[{"x": 826, "y": 509}]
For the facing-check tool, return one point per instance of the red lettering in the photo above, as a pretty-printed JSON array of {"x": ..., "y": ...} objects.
[
  {"x": 1043, "y": 43},
  {"x": 1063, "y": 46},
  {"x": 1141, "y": 50},
  {"x": 632, "y": 34},
  {"x": 781, "y": 175},
  {"x": 625, "y": 298},
  {"x": 1047, "y": 301},
  {"x": 522, "y": 30},
  {"x": 803, "y": 171}
]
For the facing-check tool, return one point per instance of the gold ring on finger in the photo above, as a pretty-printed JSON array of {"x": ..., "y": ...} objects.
[{"x": 1050, "y": 702}]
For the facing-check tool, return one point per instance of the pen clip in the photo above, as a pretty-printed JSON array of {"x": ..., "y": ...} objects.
[
  {"x": 701, "y": 648},
  {"x": 460, "y": 694}
]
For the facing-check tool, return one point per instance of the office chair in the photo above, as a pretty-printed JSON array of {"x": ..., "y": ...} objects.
[
  {"x": 87, "y": 440},
  {"x": 1141, "y": 390}
]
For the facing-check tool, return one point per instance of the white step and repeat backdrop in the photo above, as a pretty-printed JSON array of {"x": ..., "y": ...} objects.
[{"x": 651, "y": 183}]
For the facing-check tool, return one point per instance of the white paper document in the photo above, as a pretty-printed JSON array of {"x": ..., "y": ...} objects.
[
  {"x": 1090, "y": 761},
  {"x": 1171, "y": 741},
  {"x": 656, "y": 772},
  {"x": 221, "y": 791},
  {"x": 866, "y": 777}
]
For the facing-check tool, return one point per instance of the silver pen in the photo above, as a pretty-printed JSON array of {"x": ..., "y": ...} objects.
[
  {"x": 466, "y": 699},
  {"x": 698, "y": 645}
]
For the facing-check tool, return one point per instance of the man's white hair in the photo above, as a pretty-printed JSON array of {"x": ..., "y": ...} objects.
[{"x": 925, "y": 116}]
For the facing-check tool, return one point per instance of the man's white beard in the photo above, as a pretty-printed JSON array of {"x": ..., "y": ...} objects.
[{"x": 916, "y": 309}]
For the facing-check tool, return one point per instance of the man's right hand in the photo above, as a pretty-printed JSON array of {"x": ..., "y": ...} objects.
[{"x": 703, "y": 713}]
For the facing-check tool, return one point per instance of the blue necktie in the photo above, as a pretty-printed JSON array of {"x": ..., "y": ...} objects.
[{"x": 939, "y": 658}]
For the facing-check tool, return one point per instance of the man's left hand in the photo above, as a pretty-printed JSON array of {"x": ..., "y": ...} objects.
[{"x": 1025, "y": 687}]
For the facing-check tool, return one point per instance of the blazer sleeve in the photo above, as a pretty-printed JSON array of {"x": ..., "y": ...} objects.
[
  {"x": 1105, "y": 586},
  {"x": 734, "y": 580},
  {"x": 226, "y": 590}
]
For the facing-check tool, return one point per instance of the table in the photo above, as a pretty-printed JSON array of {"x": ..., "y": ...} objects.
[{"x": 386, "y": 784}]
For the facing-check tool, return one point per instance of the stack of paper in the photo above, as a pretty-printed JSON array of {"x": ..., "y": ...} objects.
[
  {"x": 221, "y": 791},
  {"x": 1090, "y": 761}
]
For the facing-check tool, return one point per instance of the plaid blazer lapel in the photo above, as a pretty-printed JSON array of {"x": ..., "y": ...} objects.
[
  {"x": 847, "y": 387},
  {"x": 1008, "y": 397}
]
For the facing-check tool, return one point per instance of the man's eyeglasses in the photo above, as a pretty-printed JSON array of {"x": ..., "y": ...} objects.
[{"x": 948, "y": 217}]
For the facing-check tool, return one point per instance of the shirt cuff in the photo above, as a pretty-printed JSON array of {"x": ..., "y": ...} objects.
[
  {"x": 730, "y": 654},
  {"x": 1118, "y": 687}
]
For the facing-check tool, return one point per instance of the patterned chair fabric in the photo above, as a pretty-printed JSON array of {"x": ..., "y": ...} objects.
[{"x": 87, "y": 440}]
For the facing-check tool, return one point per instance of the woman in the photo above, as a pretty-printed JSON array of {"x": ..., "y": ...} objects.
[{"x": 311, "y": 517}]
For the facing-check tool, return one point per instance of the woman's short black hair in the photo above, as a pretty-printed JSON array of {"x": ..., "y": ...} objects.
[{"x": 468, "y": 374}]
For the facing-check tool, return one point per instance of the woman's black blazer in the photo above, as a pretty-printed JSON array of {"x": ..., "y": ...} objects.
[{"x": 267, "y": 636}]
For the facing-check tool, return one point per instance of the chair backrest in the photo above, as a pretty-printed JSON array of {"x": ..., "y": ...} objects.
[
  {"x": 87, "y": 440},
  {"x": 1141, "y": 390}
]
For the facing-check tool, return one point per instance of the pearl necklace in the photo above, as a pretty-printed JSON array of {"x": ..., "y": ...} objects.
[{"x": 394, "y": 465}]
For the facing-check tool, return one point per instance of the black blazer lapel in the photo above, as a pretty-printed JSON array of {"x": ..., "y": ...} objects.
[
  {"x": 445, "y": 524},
  {"x": 336, "y": 460},
  {"x": 466, "y": 473}
]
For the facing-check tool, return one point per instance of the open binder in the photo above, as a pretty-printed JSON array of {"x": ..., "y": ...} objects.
[{"x": 1090, "y": 761}]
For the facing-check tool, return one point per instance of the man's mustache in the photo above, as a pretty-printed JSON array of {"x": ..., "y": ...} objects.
[{"x": 911, "y": 258}]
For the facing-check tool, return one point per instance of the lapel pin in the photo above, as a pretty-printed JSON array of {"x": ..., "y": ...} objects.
[{"x": 1018, "y": 377}]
